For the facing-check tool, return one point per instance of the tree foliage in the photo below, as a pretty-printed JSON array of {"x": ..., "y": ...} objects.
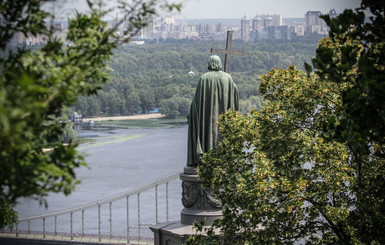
[
  {"x": 309, "y": 167},
  {"x": 355, "y": 55},
  {"x": 36, "y": 84},
  {"x": 278, "y": 177}
]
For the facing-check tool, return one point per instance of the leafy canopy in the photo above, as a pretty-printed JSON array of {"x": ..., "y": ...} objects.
[
  {"x": 309, "y": 166},
  {"x": 275, "y": 171},
  {"x": 35, "y": 85},
  {"x": 356, "y": 55}
]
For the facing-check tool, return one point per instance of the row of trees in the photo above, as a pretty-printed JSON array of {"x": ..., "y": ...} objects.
[
  {"x": 125, "y": 97},
  {"x": 156, "y": 75},
  {"x": 310, "y": 166}
]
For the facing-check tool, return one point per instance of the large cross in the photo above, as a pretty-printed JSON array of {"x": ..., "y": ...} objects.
[{"x": 228, "y": 51}]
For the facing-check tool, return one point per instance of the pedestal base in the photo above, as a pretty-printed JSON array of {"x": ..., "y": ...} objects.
[
  {"x": 199, "y": 205},
  {"x": 188, "y": 216},
  {"x": 174, "y": 233},
  {"x": 171, "y": 233}
]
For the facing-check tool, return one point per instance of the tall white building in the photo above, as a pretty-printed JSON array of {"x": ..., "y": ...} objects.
[
  {"x": 312, "y": 18},
  {"x": 314, "y": 24},
  {"x": 245, "y": 29},
  {"x": 267, "y": 20},
  {"x": 257, "y": 23},
  {"x": 269, "y": 27}
]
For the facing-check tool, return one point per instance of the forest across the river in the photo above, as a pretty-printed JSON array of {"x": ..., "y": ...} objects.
[{"x": 164, "y": 74}]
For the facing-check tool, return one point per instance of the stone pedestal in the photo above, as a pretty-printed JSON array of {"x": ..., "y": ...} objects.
[
  {"x": 171, "y": 233},
  {"x": 199, "y": 205}
]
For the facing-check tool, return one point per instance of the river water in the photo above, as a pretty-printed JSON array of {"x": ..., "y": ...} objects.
[{"x": 119, "y": 160}]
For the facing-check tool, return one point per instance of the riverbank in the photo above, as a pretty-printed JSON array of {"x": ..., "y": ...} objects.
[{"x": 131, "y": 117}]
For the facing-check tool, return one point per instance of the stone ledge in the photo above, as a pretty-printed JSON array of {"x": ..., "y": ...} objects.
[
  {"x": 171, "y": 233},
  {"x": 188, "y": 216},
  {"x": 175, "y": 233}
]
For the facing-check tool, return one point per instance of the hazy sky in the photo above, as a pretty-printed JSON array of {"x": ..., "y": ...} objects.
[
  {"x": 221, "y": 9},
  {"x": 199, "y": 9}
]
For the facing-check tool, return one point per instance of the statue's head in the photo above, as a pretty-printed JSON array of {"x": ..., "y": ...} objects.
[{"x": 215, "y": 63}]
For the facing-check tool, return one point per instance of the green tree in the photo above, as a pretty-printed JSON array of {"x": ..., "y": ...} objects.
[
  {"x": 147, "y": 99},
  {"x": 309, "y": 166},
  {"x": 94, "y": 106},
  {"x": 35, "y": 85},
  {"x": 117, "y": 103},
  {"x": 69, "y": 134},
  {"x": 82, "y": 106},
  {"x": 274, "y": 172},
  {"x": 183, "y": 106},
  {"x": 133, "y": 102},
  {"x": 103, "y": 101},
  {"x": 252, "y": 103},
  {"x": 245, "y": 106},
  {"x": 169, "y": 107},
  {"x": 355, "y": 54}
]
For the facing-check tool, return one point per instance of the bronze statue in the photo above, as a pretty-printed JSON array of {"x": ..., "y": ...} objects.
[{"x": 216, "y": 93}]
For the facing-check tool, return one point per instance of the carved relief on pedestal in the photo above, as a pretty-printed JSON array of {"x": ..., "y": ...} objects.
[
  {"x": 212, "y": 200},
  {"x": 190, "y": 194},
  {"x": 195, "y": 194}
]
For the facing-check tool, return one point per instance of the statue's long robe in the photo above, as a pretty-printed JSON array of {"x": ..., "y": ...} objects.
[{"x": 216, "y": 93}]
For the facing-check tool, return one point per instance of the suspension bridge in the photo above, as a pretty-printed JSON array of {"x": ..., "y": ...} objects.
[{"x": 116, "y": 219}]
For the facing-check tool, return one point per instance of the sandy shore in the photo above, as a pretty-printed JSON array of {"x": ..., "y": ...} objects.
[{"x": 137, "y": 116}]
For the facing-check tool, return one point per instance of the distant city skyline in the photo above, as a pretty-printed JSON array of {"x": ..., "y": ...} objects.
[
  {"x": 203, "y": 9},
  {"x": 236, "y": 9}
]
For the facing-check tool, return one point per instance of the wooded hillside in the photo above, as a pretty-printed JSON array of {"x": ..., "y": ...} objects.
[{"x": 155, "y": 75}]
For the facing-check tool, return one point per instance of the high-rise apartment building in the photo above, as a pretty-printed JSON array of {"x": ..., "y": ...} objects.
[
  {"x": 312, "y": 18},
  {"x": 257, "y": 23},
  {"x": 220, "y": 27},
  {"x": 269, "y": 27},
  {"x": 314, "y": 24},
  {"x": 268, "y": 21},
  {"x": 245, "y": 29}
]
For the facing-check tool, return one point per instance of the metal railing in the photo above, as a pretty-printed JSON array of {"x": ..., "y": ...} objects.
[{"x": 108, "y": 201}]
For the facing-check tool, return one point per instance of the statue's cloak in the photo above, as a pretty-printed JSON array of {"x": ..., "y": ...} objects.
[{"x": 216, "y": 93}]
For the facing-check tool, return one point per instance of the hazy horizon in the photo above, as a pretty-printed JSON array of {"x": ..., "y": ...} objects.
[
  {"x": 230, "y": 9},
  {"x": 204, "y": 9}
]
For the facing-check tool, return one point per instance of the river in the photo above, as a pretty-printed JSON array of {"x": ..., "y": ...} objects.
[{"x": 120, "y": 160}]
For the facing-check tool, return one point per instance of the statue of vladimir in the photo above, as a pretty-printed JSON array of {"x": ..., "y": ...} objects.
[{"x": 216, "y": 93}]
